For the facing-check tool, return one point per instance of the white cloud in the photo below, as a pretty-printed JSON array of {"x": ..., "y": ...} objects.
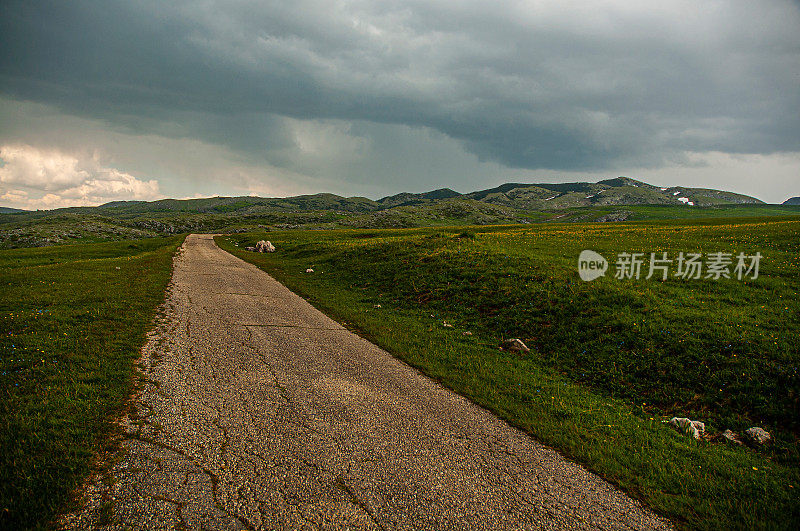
[
  {"x": 32, "y": 177},
  {"x": 14, "y": 197},
  {"x": 43, "y": 170}
]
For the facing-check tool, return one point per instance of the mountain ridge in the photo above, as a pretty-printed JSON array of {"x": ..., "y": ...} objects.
[
  {"x": 618, "y": 191},
  {"x": 611, "y": 200}
]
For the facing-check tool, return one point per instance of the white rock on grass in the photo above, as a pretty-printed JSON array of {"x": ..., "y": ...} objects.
[
  {"x": 264, "y": 246},
  {"x": 695, "y": 428},
  {"x": 309, "y": 270},
  {"x": 758, "y": 436},
  {"x": 515, "y": 345},
  {"x": 731, "y": 437}
]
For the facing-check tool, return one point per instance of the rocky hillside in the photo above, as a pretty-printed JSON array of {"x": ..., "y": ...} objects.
[
  {"x": 611, "y": 192},
  {"x": 615, "y": 192}
]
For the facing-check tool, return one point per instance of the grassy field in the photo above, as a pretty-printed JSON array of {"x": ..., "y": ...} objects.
[
  {"x": 610, "y": 360},
  {"x": 656, "y": 212},
  {"x": 72, "y": 321}
]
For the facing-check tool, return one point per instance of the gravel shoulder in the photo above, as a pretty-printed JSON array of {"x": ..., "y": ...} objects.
[{"x": 260, "y": 412}]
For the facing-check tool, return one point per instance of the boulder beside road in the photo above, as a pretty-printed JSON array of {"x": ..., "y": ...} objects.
[
  {"x": 262, "y": 247},
  {"x": 265, "y": 247}
]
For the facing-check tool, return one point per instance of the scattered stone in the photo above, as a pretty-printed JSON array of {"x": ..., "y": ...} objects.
[
  {"x": 251, "y": 249},
  {"x": 377, "y": 306},
  {"x": 467, "y": 333},
  {"x": 757, "y": 436},
  {"x": 515, "y": 345},
  {"x": 447, "y": 325},
  {"x": 731, "y": 437},
  {"x": 309, "y": 270},
  {"x": 695, "y": 428},
  {"x": 265, "y": 247},
  {"x": 117, "y": 267}
]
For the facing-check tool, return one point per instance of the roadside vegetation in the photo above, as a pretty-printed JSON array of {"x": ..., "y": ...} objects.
[
  {"x": 610, "y": 360},
  {"x": 73, "y": 319}
]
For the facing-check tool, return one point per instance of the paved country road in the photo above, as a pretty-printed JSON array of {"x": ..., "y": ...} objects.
[{"x": 262, "y": 413}]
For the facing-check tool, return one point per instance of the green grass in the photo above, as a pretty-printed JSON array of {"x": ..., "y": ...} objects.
[
  {"x": 610, "y": 359},
  {"x": 657, "y": 212},
  {"x": 72, "y": 321}
]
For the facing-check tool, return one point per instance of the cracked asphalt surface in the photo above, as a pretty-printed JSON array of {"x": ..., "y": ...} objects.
[{"x": 260, "y": 412}]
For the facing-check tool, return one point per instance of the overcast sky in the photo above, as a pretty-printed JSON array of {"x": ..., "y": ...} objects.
[{"x": 105, "y": 100}]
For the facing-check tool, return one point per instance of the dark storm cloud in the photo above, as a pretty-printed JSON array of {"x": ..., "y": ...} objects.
[{"x": 563, "y": 86}]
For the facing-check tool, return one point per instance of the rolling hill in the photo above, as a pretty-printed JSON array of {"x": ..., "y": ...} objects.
[
  {"x": 611, "y": 192},
  {"x": 614, "y": 192}
]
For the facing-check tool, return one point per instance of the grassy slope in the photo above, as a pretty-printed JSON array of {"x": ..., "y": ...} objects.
[
  {"x": 611, "y": 358},
  {"x": 71, "y": 327}
]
